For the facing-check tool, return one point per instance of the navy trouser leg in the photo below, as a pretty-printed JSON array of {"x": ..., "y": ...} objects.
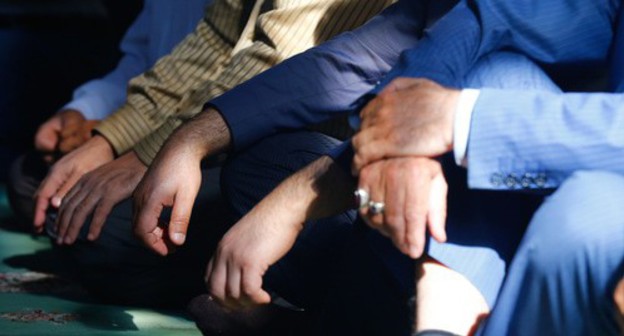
[
  {"x": 332, "y": 268},
  {"x": 303, "y": 275},
  {"x": 117, "y": 268}
]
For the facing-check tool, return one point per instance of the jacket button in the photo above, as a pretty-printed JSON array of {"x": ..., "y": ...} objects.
[
  {"x": 541, "y": 180},
  {"x": 526, "y": 181},
  {"x": 511, "y": 181},
  {"x": 496, "y": 179}
]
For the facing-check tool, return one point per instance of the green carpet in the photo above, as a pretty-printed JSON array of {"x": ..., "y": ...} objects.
[{"x": 33, "y": 302}]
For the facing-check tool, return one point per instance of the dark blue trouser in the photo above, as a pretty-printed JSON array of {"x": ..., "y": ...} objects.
[{"x": 332, "y": 269}]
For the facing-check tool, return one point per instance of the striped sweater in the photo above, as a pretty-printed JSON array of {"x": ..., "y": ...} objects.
[{"x": 236, "y": 40}]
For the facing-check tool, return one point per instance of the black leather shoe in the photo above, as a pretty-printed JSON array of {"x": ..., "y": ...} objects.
[{"x": 212, "y": 319}]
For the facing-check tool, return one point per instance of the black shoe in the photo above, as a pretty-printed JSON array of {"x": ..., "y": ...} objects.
[{"x": 212, "y": 319}]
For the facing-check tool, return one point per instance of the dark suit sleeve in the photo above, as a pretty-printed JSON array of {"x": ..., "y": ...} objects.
[
  {"x": 547, "y": 31},
  {"x": 324, "y": 81}
]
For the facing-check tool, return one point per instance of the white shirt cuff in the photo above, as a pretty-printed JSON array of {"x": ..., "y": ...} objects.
[{"x": 461, "y": 128}]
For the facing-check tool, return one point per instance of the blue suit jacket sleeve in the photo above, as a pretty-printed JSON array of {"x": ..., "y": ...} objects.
[
  {"x": 518, "y": 135},
  {"x": 548, "y": 31},
  {"x": 324, "y": 81}
]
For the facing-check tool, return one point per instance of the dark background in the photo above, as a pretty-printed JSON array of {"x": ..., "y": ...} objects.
[{"x": 48, "y": 48}]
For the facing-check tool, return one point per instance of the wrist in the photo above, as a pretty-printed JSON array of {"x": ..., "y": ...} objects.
[
  {"x": 100, "y": 143},
  {"x": 205, "y": 135},
  {"x": 450, "y": 108}
]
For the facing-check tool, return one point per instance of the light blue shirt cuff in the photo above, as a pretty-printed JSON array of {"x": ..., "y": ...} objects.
[{"x": 461, "y": 126}]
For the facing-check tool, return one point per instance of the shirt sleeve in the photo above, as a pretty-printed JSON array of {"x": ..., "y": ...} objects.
[
  {"x": 99, "y": 98},
  {"x": 461, "y": 125},
  {"x": 154, "y": 95}
]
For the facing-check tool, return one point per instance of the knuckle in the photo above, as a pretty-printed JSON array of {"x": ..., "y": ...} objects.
[{"x": 179, "y": 220}]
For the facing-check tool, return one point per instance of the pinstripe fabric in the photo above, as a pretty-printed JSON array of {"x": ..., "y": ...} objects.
[
  {"x": 563, "y": 275},
  {"x": 536, "y": 139},
  {"x": 204, "y": 65},
  {"x": 473, "y": 29},
  {"x": 536, "y": 134}
]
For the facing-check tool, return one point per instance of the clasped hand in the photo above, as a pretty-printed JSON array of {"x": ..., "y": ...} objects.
[{"x": 402, "y": 131}]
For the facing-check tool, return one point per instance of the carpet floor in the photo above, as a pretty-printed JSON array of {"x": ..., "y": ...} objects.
[{"x": 35, "y": 300}]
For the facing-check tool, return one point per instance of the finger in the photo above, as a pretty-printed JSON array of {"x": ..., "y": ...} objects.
[
  {"x": 233, "y": 286},
  {"x": 44, "y": 195},
  {"x": 71, "y": 128},
  {"x": 252, "y": 288},
  {"x": 100, "y": 215},
  {"x": 70, "y": 143},
  {"x": 83, "y": 209},
  {"x": 64, "y": 188},
  {"x": 75, "y": 199},
  {"x": 416, "y": 209},
  {"x": 394, "y": 216},
  {"x": 369, "y": 146},
  {"x": 217, "y": 280},
  {"x": 437, "y": 208},
  {"x": 146, "y": 227},
  {"x": 47, "y": 135},
  {"x": 180, "y": 216},
  {"x": 374, "y": 180}
]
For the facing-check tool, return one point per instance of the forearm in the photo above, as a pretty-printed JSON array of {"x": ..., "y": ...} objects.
[{"x": 319, "y": 190}]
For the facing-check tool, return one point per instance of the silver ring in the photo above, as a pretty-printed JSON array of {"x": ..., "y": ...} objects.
[
  {"x": 362, "y": 198},
  {"x": 376, "y": 208}
]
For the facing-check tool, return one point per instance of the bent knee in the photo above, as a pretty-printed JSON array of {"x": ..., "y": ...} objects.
[{"x": 581, "y": 226}]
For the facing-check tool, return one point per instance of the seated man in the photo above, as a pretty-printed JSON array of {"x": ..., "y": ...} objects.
[
  {"x": 157, "y": 29},
  {"x": 247, "y": 251},
  {"x": 235, "y": 41}
]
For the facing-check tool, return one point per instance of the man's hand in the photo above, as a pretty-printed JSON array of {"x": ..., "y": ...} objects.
[
  {"x": 414, "y": 193},
  {"x": 257, "y": 241},
  {"x": 173, "y": 180},
  {"x": 269, "y": 230},
  {"x": 62, "y": 133},
  {"x": 66, "y": 172},
  {"x": 98, "y": 192},
  {"x": 410, "y": 117}
]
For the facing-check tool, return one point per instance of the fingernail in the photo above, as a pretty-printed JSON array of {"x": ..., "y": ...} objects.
[
  {"x": 68, "y": 241},
  {"x": 179, "y": 238},
  {"x": 91, "y": 237},
  {"x": 56, "y": 202}
]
